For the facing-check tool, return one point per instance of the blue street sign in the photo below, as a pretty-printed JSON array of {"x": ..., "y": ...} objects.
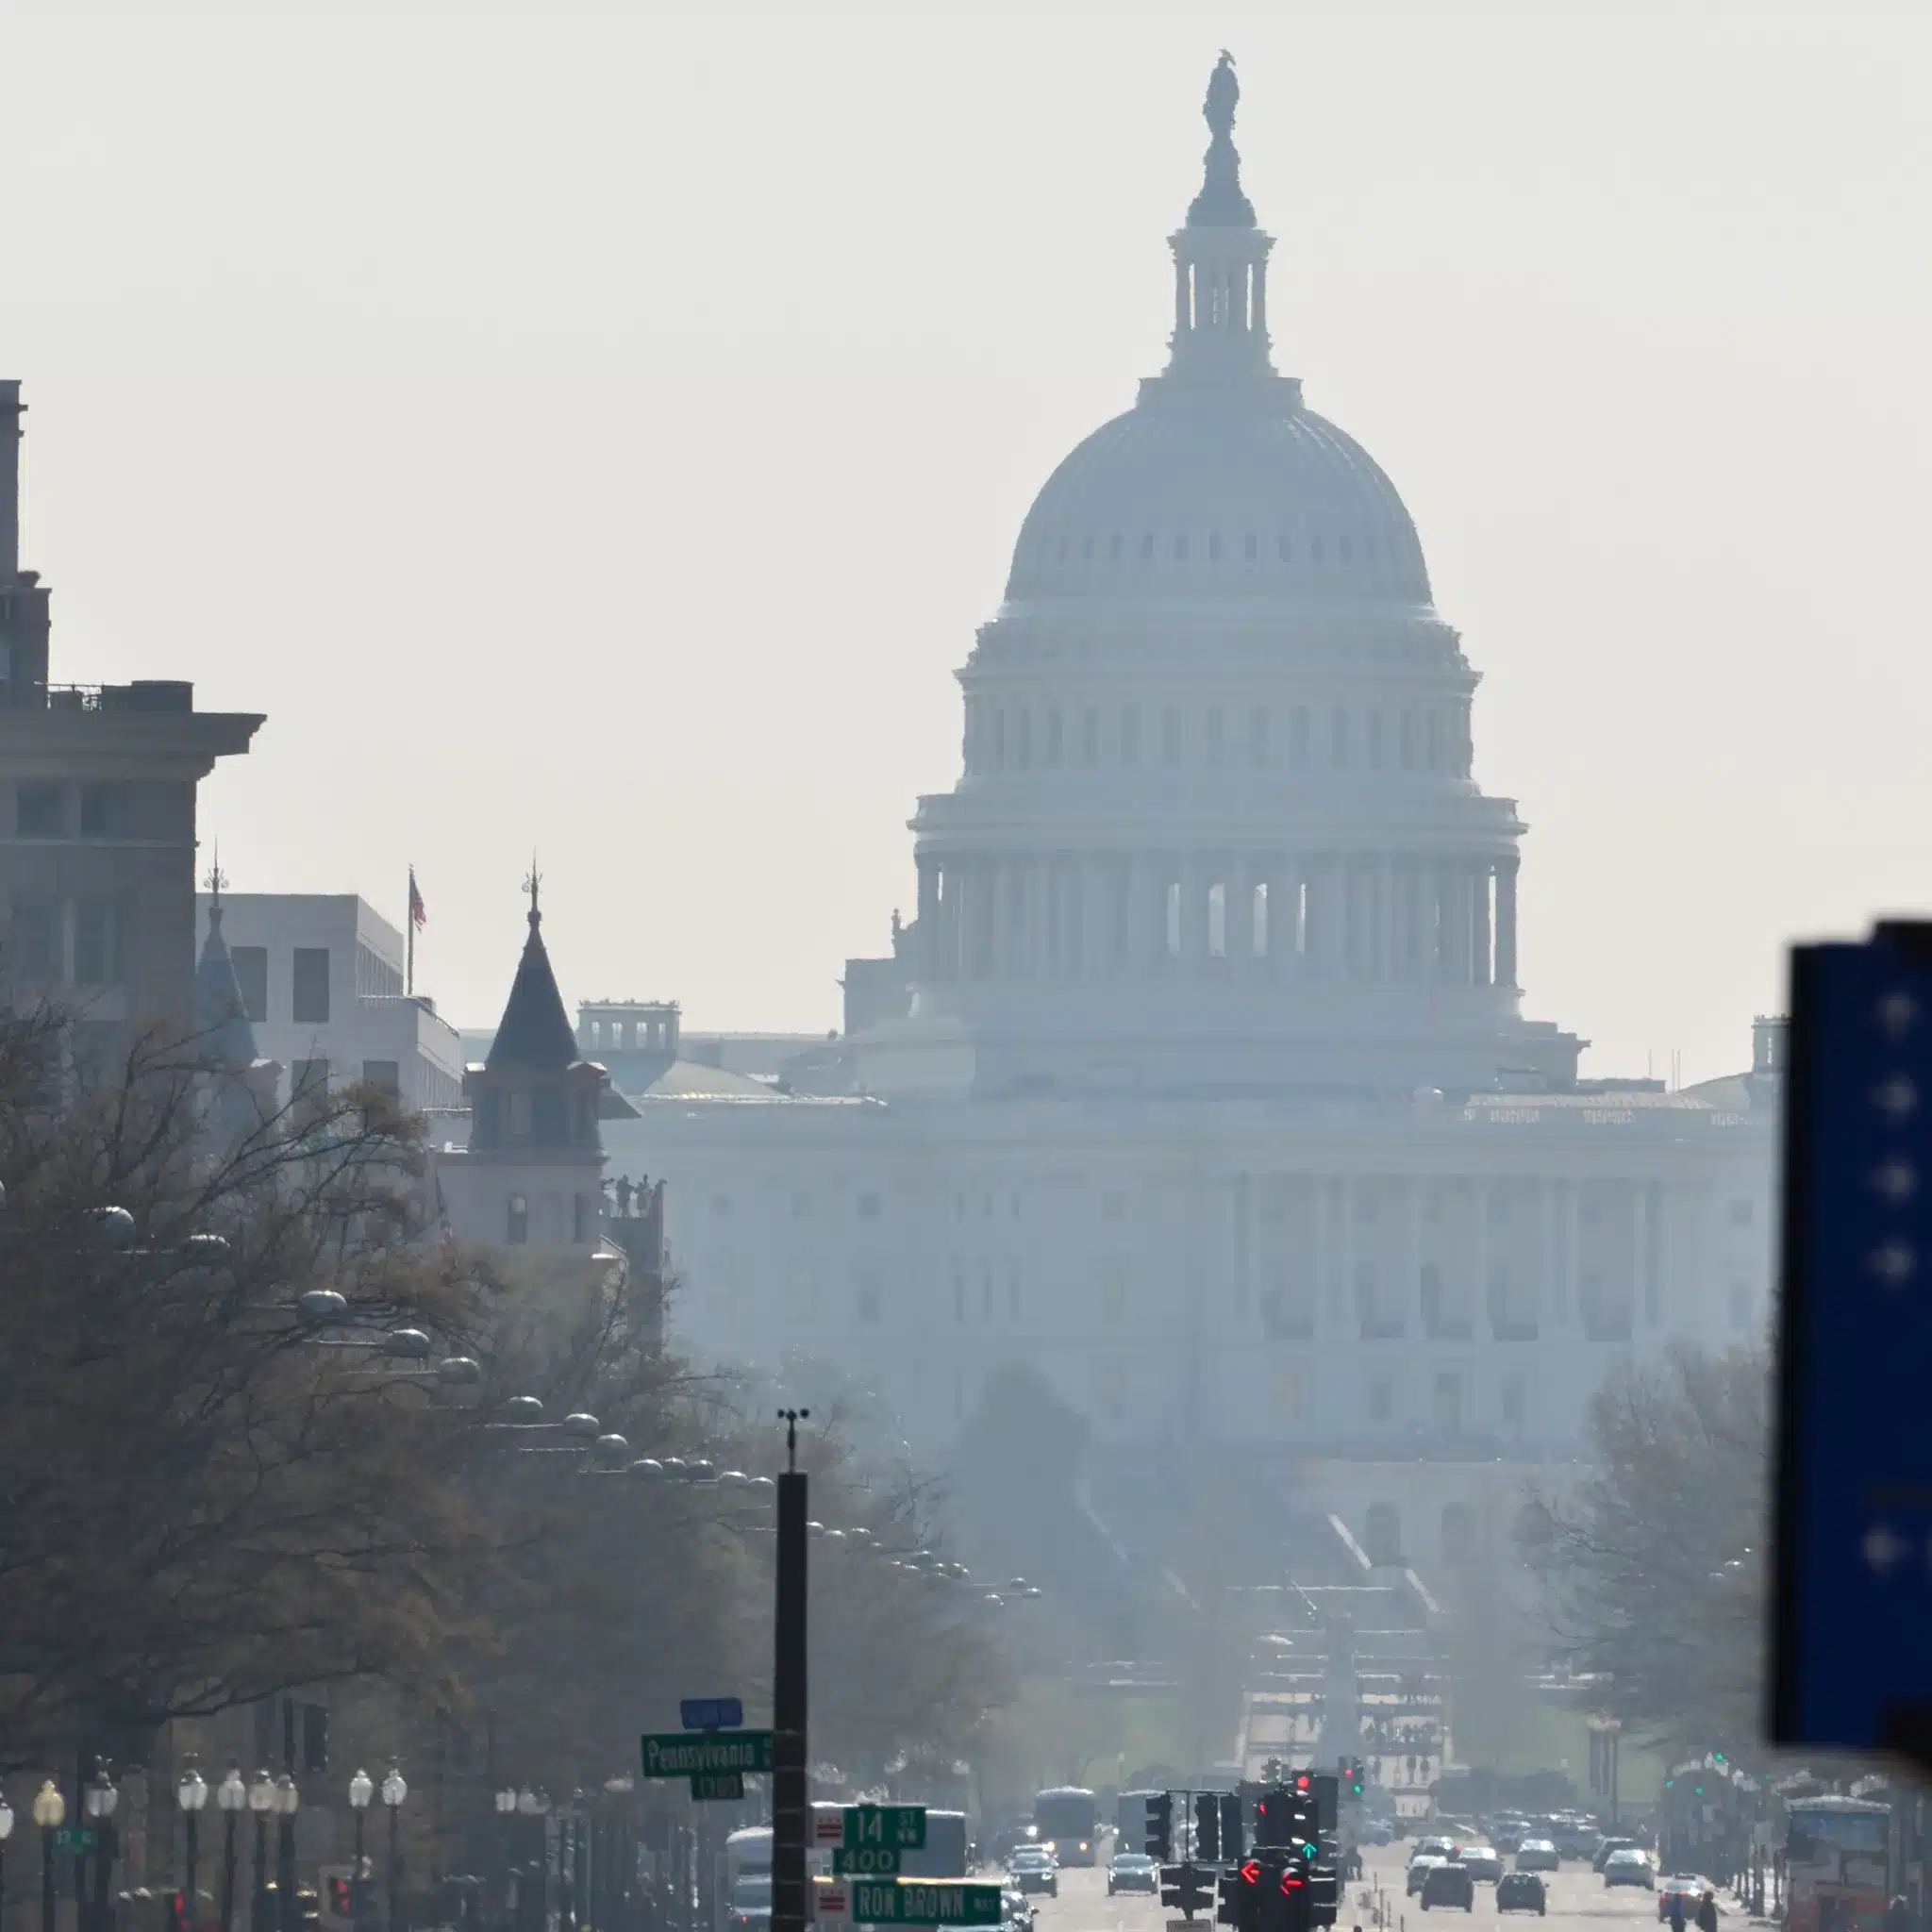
[
  {"x": 1852, "y": 1591},
  {"x": 711, "y": 1714}
]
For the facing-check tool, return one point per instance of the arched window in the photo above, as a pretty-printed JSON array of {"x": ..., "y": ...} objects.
[{"x": 1382, "y": 1534}]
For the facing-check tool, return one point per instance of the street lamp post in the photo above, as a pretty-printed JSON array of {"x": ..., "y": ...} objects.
[
  {"x": 103, "y": 1797},
  {"x": 5, "y": 1832},
  {"x": 192, "y": 1795},
  {"x": 261, "y": 1801},
  {"x": 506, "y": 1810},
  {"x": 231, "y": 1794},
  {"x": 361, "y": 1789},
  {"x": 394, "y": 1789},
  {"x": 50, "y": 1813},
  {"x": 287, "y": 1801}
]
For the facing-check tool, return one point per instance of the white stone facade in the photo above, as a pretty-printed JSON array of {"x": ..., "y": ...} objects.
[
  {"x": 322, "y": 977},
  {"x": 1215, "y": 1100}
]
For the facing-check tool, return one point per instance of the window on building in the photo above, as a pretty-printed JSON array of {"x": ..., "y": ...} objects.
[
  {"x": 1515, "y": 1401},
  {"x": 1298, "y": 736},
  {"x": 1023, "y": 741},
  {"x": 1054, "y": 742},
  {"x": 308, "y": 1077},
  {"x": 1448, "y": 1402},
  {"x": 1288, "y": 1394},
  {"x": 1215, "y": 734},
  {"x": 959, "y": 1297},
  {"x": 251, "y": 975},
  {"x": 37, "y": 811},
  {"x": 308, "y": 1006},
  {"x": 1381, "y": 1399},
  {"x": 868, "y": 1206},
  {"x": 103, "y": 811},
  {"x": 1258, "y": 732},
  {"x": 869, "y": 1298},
  {"x": 1435, "y": 758},
  {"x": 1130, "y": 734},
  {"x": 98, "y": 950},
  {"x": 1174, "y": 919},
  {"x": 1171, "y": 735},
  {"x": 547, "y": 1125},
  {"x": 1407, "y": 739},
  {"x": 519, "y": 1113},
  {"x": 1338, "y": 739},
  {"x": 1090, "y": 735},
  {"x": 385, "y": 1076},
  {"x": 33, "y": 941},
  {"x": 1374, "y": 740},
  {"x": 517, "y": 1221},
  {"x": 1217, "y": 921}
]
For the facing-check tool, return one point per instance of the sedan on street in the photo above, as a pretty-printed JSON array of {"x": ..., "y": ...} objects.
[
  {"x": 1522, "y": 1892},
  {"x": 1538, "y": 1855},
  {"x": 1032, "y": 1869},
  {"x": 1449, "y": 1884},
  {"x": 1485, "y": 1863},
  {"x": 1132, "y": 1872},
  {"x": 1629, "y": 1867}
]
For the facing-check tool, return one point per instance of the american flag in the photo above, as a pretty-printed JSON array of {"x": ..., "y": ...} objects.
[{"x": 418, "y": 914}]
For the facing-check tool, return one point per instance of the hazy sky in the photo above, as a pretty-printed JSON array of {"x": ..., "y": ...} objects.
[{"x": 599, "y": 429}]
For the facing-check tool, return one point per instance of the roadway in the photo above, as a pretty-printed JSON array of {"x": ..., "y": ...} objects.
[{"x": 1578, "y": 1903}]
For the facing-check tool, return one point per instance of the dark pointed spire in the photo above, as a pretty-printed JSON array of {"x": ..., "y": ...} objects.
[
  {"x": 221, "y": 1014},
  {"x": 1221, "y": 203},
  {"x": 535, "y": 1031}
]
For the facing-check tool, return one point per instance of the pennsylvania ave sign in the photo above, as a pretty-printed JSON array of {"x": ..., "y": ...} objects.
[{"x": 686, "y": 1754}]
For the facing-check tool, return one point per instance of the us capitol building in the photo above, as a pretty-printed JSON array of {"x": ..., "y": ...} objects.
[{"x": 1202, "y": 1080}]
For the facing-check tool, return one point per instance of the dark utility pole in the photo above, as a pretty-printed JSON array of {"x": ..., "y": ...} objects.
[{"x": 790, "y": 1790}]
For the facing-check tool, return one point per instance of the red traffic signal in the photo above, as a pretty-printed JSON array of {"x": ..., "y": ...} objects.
[
  {"x": 1291, "y": 1879},
  {"x": 1250, "y": 1872}
]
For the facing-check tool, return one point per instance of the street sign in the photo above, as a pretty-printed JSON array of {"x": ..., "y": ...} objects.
[
  {"x": 706, "y": 1785},
  {"x": 865, "y": 1861},
  {"x": 925, "y": 1902},
  {"x": 684, "y": 1754},
  {"x": 710, "y": 1713},
  {"x": 901, "y": 1827},
  {"x": 1852, "y": 1563},
  {"x": 75, "y": 1838}
]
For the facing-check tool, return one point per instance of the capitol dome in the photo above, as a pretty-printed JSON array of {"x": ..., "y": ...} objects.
[{"x": 1187, "y": 494}]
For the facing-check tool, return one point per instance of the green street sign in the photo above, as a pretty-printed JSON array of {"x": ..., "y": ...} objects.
[
  {"x": 75, "y": 1838},
  {"x": 685, "y": 1753},
  {"x": 925, "y": 1902},
  {"x": 706, "y": 1785},
  {"x": 865, "y": 1861},
  {"x": 900, "y": 1827}
]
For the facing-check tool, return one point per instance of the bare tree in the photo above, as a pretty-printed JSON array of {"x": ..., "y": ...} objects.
[{"x": 1652, "y": 1567}]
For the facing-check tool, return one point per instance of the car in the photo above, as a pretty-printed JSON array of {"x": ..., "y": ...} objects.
[
  {"x": 1132, "y": 1872},
  {"x": 1507, "y": 1837},
  {"x": 1689, "y": 1886},
  {"x": 1522, "y": 1892},
  {"x": 1628, "y": 1866},
  {"x": 1538, "y": 1855},
  {"x": 1419, "y": 1869},
  {"x": 1485, "y": 1863},
  {"x": 1033, "y": 1867},
  {"x": 1435, "y": 1847},
  {"x": 1379, "y": 1831},
  {"x": 1605, "y": 1846},
  {"x": 1449, "y": 1884}
]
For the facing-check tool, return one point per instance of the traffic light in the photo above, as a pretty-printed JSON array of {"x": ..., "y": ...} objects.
[
  {"x": 1231, "y": 1827},
  {"x": 1207, "y": 1827},
  {"x": 1183, "y": 1885},
  {"x": 1287, "y": 1815},
  {"x": 1158, "y": 1834},
  {"x": 1352, "y": 1776}
]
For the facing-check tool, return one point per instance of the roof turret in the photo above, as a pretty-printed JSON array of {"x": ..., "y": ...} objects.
[{"x": 535, "y": 1031}]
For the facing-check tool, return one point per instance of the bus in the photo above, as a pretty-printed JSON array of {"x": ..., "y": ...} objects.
[
  {"x": 1836, "y": 1877},
  {"x": 744, "y": 1898},
  {"x": 1068, "y": 1821}
]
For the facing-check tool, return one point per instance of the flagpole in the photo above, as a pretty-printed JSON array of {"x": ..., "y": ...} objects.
[{"x": 409, "y": 939}]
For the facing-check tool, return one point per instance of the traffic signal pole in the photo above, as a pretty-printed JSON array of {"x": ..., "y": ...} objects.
[{"x": 790, "y": 1790}]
